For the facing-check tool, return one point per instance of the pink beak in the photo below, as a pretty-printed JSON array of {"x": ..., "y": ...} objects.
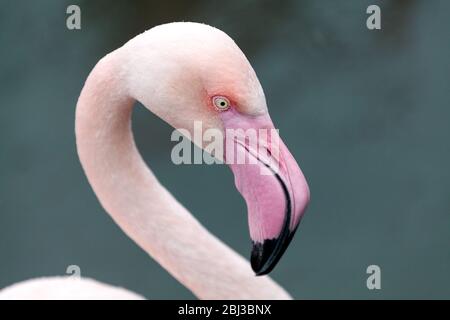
[{"x": 271, "y": 182}]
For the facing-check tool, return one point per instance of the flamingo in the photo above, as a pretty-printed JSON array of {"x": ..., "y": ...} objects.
[{"x": 182, "y": 72}]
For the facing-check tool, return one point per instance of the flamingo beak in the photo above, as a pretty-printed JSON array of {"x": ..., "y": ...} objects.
[{"x": 271, "y": 182}]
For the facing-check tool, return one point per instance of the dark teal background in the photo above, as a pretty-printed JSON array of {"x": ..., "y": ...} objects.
[{"x": 366, "y": 114}]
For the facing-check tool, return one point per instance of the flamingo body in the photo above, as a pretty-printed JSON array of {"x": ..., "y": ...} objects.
[
  {"x": 65, "y": 288},
  {"x": 180, "y": 71}
]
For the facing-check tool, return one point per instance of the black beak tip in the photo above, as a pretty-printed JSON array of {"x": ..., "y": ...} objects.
[
  {"x": 261, "y": 256},
  {"x": 265, "y": 256}
]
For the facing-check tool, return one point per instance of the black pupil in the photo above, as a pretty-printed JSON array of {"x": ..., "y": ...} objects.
[{"x": 222, "y": 103}]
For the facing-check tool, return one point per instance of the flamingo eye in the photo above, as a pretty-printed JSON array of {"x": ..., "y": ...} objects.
[{"x": 221, "y": 103}]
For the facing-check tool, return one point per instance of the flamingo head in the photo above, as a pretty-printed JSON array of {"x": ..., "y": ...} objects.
[{"x": 188, "y": 72}]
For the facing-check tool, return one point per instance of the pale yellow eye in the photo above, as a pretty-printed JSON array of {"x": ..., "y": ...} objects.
[{"x": 221, "y": 103}]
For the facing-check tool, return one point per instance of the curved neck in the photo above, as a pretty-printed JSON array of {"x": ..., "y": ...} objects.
[{"x": 142, "y": 207}]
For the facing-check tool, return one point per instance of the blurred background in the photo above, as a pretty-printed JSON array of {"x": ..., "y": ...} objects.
[{"x": 366, "y": 114}]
